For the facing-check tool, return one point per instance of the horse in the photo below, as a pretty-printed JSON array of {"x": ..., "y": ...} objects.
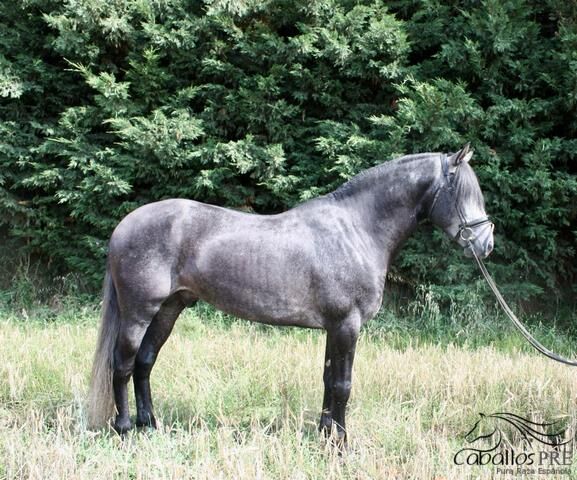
[{"x": 321, "y": 264}]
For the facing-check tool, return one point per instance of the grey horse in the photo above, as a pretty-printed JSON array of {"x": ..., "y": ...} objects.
[{"x": 321, "y": 264}]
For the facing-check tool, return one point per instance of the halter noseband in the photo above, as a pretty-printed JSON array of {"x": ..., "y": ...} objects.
[{"x": 465, "y": 231}]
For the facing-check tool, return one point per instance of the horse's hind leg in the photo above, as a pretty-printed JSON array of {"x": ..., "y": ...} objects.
[
  {"x": 157, "y": 333},
  {"x": 129, "y": 338}
]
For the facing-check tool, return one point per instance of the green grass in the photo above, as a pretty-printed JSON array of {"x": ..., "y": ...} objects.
[{"x": 241, "y": 400}]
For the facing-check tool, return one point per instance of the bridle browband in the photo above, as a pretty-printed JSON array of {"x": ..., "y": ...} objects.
[{"x": 465, "y": 231}]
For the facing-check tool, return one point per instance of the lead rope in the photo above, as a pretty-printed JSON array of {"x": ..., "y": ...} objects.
[{"x": 513, "y": 317}]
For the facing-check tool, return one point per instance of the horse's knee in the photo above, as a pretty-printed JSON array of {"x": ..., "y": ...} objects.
[{"x": 341, "y": 390}]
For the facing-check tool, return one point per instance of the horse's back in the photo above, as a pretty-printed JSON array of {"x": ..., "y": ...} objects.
[{"x": 175, "y": 244}]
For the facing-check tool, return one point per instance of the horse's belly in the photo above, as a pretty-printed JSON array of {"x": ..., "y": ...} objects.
[
  {"x": 278, "y": 314},
  {"x": 265, "y": 283},
  {"x": 256, "y": 302}
]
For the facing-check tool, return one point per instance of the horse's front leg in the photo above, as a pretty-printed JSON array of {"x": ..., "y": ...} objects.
[
  {"x": 326, "y": 418},
  {"x": 341, "y": 344}
]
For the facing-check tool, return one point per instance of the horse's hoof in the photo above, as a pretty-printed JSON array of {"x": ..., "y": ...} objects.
[
  {"x": 338, "y": 443},
  {"x": 122, "y": 426},
  {"x": 335, "y": 436},
  {"x": 325, "y": 425},
  {"x": 146, "y": 421}
]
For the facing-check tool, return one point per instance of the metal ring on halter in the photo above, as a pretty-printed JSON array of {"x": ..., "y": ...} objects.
[{"x": 466, "y": 234}]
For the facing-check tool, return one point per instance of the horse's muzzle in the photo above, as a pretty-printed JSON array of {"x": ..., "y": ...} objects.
[{"x": 483, "y": 252}]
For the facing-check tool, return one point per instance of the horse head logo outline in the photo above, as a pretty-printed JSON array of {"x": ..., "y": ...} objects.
[{"x": 490, "y": 431}]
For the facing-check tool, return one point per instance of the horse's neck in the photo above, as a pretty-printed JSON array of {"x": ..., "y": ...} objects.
[{"x": 390, "y": 201}]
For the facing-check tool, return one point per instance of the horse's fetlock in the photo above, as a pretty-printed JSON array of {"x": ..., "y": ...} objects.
[
  {"x": 122, "y": 425},
  {"x": 145, "y": 419}
]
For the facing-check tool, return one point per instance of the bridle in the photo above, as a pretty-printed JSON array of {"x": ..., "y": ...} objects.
[
  {"x": 467, "y": 235},
  {"x": 465, "y": 232}
]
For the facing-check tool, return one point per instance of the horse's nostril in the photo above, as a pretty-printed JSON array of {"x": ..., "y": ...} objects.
[{"x": 489, "y": 247}]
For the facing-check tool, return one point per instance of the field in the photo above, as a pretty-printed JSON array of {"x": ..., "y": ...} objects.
[{"x": 239, "y": 400}]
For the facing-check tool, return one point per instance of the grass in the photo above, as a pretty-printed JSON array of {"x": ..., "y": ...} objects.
[{"x": 240, "y": 400}]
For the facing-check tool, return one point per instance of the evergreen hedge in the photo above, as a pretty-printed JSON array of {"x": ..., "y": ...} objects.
[{"x": 109, "y": 104}]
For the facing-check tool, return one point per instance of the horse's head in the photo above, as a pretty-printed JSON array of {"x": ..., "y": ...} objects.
[
  {"x": 458, "y": 206},
  {"x": 483, "y": 429}
]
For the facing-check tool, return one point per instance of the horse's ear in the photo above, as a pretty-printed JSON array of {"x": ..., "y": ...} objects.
[{"x": 462, "y": 156}]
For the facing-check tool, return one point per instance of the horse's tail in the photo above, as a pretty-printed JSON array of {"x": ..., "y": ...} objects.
[{"x": 100, "y": 405}]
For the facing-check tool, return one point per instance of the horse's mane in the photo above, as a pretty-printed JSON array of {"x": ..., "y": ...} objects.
[
  {"x": 466, "y": 183},
  {"x": 366, "y": 177}
]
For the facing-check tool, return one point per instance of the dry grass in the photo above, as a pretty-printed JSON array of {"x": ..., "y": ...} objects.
[{"x": 243, "y": 402}]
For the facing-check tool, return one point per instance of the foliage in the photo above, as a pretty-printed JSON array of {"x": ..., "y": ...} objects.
[{"x": 107, "y": 105}]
